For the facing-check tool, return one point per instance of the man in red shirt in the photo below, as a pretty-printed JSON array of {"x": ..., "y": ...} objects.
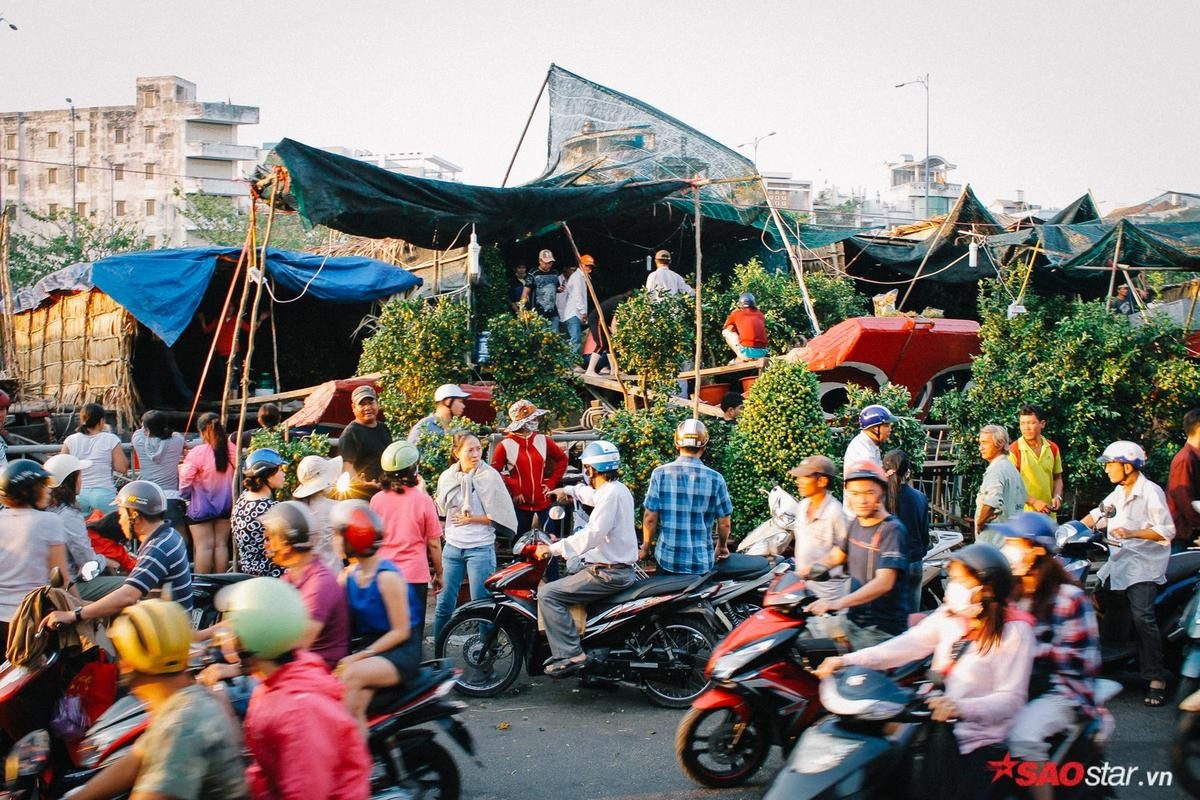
[
  {"x": 746, "y": 331},
  {"x": 530, "y": 462},
  {"x": 1183, "y": 483}
]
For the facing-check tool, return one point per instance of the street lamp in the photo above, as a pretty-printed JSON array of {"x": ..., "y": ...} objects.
[
  {"x": 74, "y": 178},
  {"x": 755, "y": 142},
  {"x": 6, "y": 22},
  {"x": 924, "y": 81}
]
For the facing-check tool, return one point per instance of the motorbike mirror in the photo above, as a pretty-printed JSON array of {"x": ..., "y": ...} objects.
[
  {"x": 557, "y": 512},
  {"x": 56, "y": 578},
  {"x": 1109, "y": 511},
  {"x": 89, "y": 570}
]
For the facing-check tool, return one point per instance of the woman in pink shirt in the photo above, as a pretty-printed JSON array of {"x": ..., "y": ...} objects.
[
  {"x": 206, "y": 481},
  {"x": 412, "y": 536}
]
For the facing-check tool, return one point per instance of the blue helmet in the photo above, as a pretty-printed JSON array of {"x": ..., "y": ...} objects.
[
  {"x": 1032, "y": 525},
  {"x": 874, "y": 415},
  {"x": 746, "y": 300},
  {"x": 260, "y": 462},
  {"x": 601, "y": 456}
]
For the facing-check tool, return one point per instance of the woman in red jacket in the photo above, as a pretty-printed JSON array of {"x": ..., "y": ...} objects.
[{"x": 531, "y": 464}]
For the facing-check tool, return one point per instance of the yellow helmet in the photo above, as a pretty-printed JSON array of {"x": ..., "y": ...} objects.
[{"x": 153, "y": 637}]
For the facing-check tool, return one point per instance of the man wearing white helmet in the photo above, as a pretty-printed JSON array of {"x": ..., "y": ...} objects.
[
  {"x": 1140, "y": 530},
  {"x": 607, "y": 545},
  {"x": 448, "y": 406}
]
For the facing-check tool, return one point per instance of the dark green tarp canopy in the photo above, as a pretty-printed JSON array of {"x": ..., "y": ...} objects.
[
  {"x": 816, "y": 236},
  {"x": 1165, "y": 246},
  {"x": 358, "y": 198},
  {"x": 1082, "y": 210}
]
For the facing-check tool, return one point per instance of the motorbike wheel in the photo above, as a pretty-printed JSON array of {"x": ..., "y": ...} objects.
[
  {"x": 1185, "y": 751},
  {"x": 430, "y": 774},
  {"x": 692, "y": 641},
  {"x": 706, "y": 750},
  {"x": 486, "y": 672}
]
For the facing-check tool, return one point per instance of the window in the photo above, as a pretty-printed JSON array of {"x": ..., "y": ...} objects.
[
  {"x": 52, "y": 139},
  {"x": 149, "y": 131},
  {"x": 118, "y": 172},
  {"x": 119, "y": 208},
  {"x": 153, "y": 241},
  {"x": 52, "y": 209},
  {"x": 150, "y": 99},
  {"x": 81, "y": 209},
  {"x": 149, "y": 170},
  {"x": 11, "y": 178},
  {"x": 119, "y": 136},
  {"x": 150, "y": 208},
  {"x": 81, "y": 138},
  {"x": 52, "y": 175},
  {"x": 80, "y": 174},
  {"x": 10, "y": 141}
]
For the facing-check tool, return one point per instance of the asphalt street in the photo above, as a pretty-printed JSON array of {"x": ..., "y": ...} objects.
[{"x": 546, "y": 739}]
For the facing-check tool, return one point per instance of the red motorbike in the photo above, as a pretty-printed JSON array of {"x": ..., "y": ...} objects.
[{"x": 763, "y": 691}]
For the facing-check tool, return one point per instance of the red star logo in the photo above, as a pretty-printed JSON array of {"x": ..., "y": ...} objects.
[{"x": 1002, "y": 768}]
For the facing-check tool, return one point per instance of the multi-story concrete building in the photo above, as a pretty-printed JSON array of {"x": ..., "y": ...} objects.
[
  {"x": 786, "y": 192},
  {"x": 125, "y": 163},
  {"x": 907, "y": 188},
  {"x": 421, "y": 165}
]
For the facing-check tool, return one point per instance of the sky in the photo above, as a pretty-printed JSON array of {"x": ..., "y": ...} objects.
[{"x": 1050, "y": 97}]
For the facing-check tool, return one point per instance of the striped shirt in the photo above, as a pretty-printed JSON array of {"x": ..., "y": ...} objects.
[{"x": 162, "y": 559}]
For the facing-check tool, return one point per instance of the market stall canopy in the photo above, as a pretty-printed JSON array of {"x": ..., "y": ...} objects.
[
  {"x": 1083, "y": 209},
  {"x": 358, "y": 198},
  {"x": 163, "y": 288},
  {"x": 1165, "y": 246}
]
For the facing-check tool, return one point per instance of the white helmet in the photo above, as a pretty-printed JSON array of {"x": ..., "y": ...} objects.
[
  {"x": 601, "y": 456},
  {"x": 447, "y": 391},
  {"x": 691, "y": 433},
  {"x": 1124, "y": 453}
]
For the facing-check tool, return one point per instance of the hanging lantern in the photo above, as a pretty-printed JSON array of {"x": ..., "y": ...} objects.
[
  {"x": 973, "y": 255},
  {"x": 474, "y": 271}
]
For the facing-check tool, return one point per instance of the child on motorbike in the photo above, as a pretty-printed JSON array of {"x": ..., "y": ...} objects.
[
  {"x": 1067, "y": 651},
  {"x": 983, "y": 649}
]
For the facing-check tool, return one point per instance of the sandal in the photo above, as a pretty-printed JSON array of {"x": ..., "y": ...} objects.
[
  {"x": 1155, "y": 695},
  {"x": 561, "y": 669}
]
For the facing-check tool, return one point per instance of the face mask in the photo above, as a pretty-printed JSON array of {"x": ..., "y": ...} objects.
[
  {"x": 530, "y": 426},
  {"x": 960, "y": 600},
  {"x": 1016, "y": 560}
]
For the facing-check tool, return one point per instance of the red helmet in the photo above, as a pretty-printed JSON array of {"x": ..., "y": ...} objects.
[
  {"x": 5, "y": 400},
  {"x": 360, "y": 528}
]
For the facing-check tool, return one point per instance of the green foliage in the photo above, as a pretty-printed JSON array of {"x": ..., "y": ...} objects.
[
  {"x": 490, "y": 297},
  {"x": 646, "y": 439},
  {"x": 781, "y": 424},
  {"x": 218, "y": 220},
  {"x": 416, "y": 346},
  {"x": 62, "y": 239},
  {"x": 528, "y": 359},
  {"x": 294, "y": 449},
  {"x": 435, "y": 450},
  {"x": 834, "y": 299},
  {"x": 1096, "y": 377},
  {"x": 908, "y": 434},
  {"x": 653, "y": 338}
]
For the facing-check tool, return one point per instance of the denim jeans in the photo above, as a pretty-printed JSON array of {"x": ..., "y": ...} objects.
[
  {"x": 476, "y": 564},
  {"x": 92, "y": 499},
  {"x": 574, "y": 332}
]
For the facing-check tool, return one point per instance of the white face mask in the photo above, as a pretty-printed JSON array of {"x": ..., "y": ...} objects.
[
  {"x": 1016, "y": 559},
  {"x": 961, "y": 601}
]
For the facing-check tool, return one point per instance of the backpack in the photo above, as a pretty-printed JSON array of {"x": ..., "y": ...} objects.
[{"x": 1015, "y": 450}]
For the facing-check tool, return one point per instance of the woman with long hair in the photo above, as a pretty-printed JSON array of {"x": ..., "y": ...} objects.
[
  {"x": 911, "y": 506},
  {"x": 474, "y": 501},
  {"x": 159, "y": 451},
  {"x": 1066, "y": 660},
  {"x": 983, "y": 647},
  {"x": 206, "y": 481},
  {"x": 412, "y": 535},
  {"x": 94, "y": 443},
  {"x": 261, "y": 476}
]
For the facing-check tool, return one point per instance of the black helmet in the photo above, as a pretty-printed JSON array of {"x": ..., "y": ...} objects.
[
  {"x": 291, "y": 520},
  {"x": 989, "y": 566},
  {"x": 19, "y": 480}
]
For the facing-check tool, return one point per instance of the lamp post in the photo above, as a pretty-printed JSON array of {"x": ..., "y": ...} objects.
[
  {"x": 755, "y": 142},
  {"x": 74, "y": 179},
  {"x": 924, "y": 81}
]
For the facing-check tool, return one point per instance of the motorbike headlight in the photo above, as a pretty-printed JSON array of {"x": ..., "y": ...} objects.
[
  {"x": 819, "y": 751},
  {"x": 730, "y": 663},
  {"x": 28, "y": 756}
]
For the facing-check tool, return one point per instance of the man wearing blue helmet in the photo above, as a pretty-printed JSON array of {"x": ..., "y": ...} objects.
[
  {"x": 1140, "y": 531},
  {"x": 607, "y": 545},
  {"x": 745, "y": 331},
  {"x": 875, "y": 426}
]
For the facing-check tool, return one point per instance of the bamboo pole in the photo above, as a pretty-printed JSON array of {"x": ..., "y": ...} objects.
[
  {"x": 11, "y": 360},
  {"x": 601, "y": 326},
  {"x": 796, "y": 265},
  {"x": 212, "y": 348},
  {"x": 251, "y": 256},
  {"x": 1194, "y": 290},
  {"x": 525, "y": 130},
  {"x": 699, "y": 307},
  {"x": 1112, "y": 281},
  {"x": 929, "y": 252}
]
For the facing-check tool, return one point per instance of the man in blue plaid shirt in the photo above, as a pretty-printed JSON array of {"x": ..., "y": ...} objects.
[{"x": 684, "y": 499}]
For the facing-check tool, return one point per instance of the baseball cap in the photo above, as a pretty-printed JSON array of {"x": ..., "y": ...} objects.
[
  {"x": 866, "y": 470},
  {"x": 363, "y": 392},
  {"x": 814, "y": 465},
  {"x": 448, "y": 390},
  {"x": 545, "y": 255},
  {"x": 662, "y": 257},
  {"x": 587, "y": 261}
]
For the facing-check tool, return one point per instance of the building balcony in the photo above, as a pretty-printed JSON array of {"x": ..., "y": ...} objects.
[
  {"x": 225, "y": 113},
  {"x": 935, "y": 189},
  {"x": 222, "y": 152},
  {"x": 224, "y": 187}
]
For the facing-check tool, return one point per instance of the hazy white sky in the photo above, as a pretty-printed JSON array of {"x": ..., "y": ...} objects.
[{"x": 1049, "y": 97}]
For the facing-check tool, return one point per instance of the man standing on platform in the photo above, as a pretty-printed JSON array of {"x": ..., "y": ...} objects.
[{"x": 663, "y": 280}]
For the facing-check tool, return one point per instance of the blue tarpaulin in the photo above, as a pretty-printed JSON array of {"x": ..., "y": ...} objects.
[{"x": 163, "y": 288}]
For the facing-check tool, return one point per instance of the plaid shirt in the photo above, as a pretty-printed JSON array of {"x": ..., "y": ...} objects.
[
  {"x": 688, "y": 497},
  {"x": 1067, "y": 647}
]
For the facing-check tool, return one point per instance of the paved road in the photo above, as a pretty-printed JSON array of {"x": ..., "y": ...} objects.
[{"x": 544, "y": 739}]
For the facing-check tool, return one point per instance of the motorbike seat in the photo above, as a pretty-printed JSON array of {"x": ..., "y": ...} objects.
[
  {"x": 911, "y": 669},
  {"x": 739, "y": 566},
  {"x": 220, "y": 578},
  {"x": 1181, "y": 565},
  {"x": 393, "y": 697},
  {"x": 652, "y": 587}
]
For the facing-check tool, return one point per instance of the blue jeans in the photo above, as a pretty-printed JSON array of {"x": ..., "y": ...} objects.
[
  {"x": 92, "y": 499},
  {"x": 476, "y": 564},
  {"x": 575, "y": 333}
]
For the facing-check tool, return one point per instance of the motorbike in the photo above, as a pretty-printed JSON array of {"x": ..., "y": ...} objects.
[
  {"x": 773, "y": 537},
  {"x": 937, "y": 559},
  {"x": 656, "y": 635},
  {"x": 205, "y": 588},
  {"x": 407, "y": 760},
  {"x": 873, "y": 744}
]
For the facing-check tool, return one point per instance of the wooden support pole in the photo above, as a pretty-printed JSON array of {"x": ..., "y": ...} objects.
[
  {"x": 251, "y": 258},
  {"x": 1194, "y": 291},
  {"x": 797, "y": 267},
  {"x": 11, "y": 361},
  {"x": 212, "y": 348},
  {"x": 525, "y": 130},
  {"x": 699, "y": 306},
  {"x": 1112, "y": 281}
]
